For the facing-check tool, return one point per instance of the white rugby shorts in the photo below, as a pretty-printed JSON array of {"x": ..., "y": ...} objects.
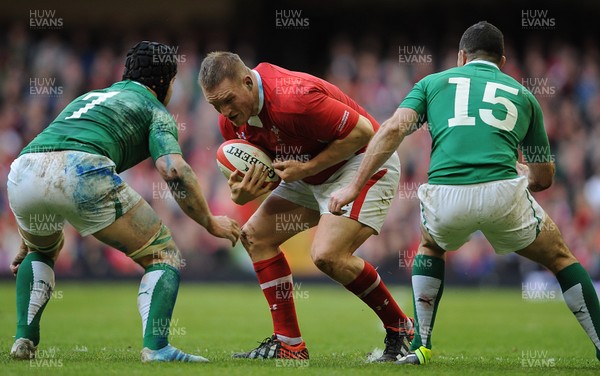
[
  {"x": 371, "y": 206},
  {"x": 45, "y": 189},
  {"x": 503, "y": 210}
]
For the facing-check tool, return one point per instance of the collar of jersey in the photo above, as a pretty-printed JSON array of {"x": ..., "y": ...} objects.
[
  {"x": 139, "y": 84},
  {"x": 141, "y": 88},
  {"x": 483, "y": 62},
  {"x": 255, "y": 120}
]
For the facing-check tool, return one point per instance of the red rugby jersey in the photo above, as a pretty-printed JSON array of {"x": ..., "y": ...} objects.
[{"x": 300, "y": 115}]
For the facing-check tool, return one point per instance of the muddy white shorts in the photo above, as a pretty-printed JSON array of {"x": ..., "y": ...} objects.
[
  {"x": 45, "y": 189},
  {"x": 372, "y": 204},
  {"x": 504, "y": 211}
]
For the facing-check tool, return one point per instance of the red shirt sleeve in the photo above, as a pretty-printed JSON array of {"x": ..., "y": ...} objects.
[
  {"x": 320, "y": 117},
  {"x": 226, "y": 128}
]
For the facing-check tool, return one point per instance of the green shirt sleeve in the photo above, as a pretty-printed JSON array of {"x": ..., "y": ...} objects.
[
  {"x": 535, "y": 145},
  {"x": 416, "y": 99},
  {"x": 163, "y": 138}
]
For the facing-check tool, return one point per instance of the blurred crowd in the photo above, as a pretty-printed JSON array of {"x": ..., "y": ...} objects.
[{"x": 41, "y": 73}]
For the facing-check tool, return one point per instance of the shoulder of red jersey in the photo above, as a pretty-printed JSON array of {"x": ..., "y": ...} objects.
[
  {"x": 289, "y": 93},
  {"x": 265, "y": 68},
  {"x": 270, "y": 71},
  {"x": 227, "y": 128}
]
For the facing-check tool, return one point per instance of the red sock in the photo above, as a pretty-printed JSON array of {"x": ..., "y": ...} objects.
[
  {"x": 369, "y": 287},
  {"x": 275, "y": 278}
]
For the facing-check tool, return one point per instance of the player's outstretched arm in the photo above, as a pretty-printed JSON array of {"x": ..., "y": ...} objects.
[
  {"x": 184, "y": 186},
  {"x": 384, "y": 143}
]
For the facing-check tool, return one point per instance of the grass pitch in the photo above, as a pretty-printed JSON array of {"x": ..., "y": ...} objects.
[{"x": 95, "y": 329}]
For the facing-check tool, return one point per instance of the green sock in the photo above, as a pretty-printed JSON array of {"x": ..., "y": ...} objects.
[
  {"x": 35, "y": 283},
  {"x": 581, "y": 298},
  {"x": 428, "y": 286},
  {"x": 156, "y": 299}
]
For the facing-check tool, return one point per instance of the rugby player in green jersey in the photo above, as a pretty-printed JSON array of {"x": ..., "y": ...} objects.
[
  {"x": 70, "y": 172},
  {"x": 478, "y": 118}
]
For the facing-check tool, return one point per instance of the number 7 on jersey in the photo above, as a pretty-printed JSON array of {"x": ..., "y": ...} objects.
[{"x": 100, "y": 97}]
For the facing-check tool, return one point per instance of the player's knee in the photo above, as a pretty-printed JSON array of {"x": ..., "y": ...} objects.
[
  {"x": 247, "y": 237},
  {"x": 255, "y": 243},
  {"x": 51, "y": 250},
  {"x": 327, "y": 262},
  {"x": 169, "y": 255},
  {"x": 561, "y": 258},
  {"x": 160, "y": 249}
]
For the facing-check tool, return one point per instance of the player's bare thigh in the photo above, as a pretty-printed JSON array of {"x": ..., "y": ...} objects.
[
  {"x": 428, "y": 245},
  {"x": 549, "y": 248},
  {"x": 336, "y": 240},
  {"x": 274, "y": 222},
  {"x": 132, "y": 230},
  {"x": 338, "y": 236}
]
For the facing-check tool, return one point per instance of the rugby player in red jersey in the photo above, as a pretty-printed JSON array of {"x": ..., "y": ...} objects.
[{"x": 317, "y": 136}]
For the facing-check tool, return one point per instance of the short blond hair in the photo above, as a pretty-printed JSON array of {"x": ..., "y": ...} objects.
[{"x": 218, "y": 66}]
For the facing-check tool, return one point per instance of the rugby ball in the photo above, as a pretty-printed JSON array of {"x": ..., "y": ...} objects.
[{"x": 239, "y": 154}]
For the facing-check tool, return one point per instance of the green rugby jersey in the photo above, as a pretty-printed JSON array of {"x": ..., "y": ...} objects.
[
  {"x": 123, "y": 122},
  {"x": 478, "y": 118}
]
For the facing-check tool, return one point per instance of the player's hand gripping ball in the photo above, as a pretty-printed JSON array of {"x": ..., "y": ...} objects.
[{"x": 239, "y": 154}]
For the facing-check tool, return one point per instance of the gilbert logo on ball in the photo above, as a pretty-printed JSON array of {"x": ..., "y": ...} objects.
[{"x": 239, "y": 154}]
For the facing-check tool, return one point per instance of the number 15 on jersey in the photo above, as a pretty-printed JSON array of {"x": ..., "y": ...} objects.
[{"x": 491, "y": 94}]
